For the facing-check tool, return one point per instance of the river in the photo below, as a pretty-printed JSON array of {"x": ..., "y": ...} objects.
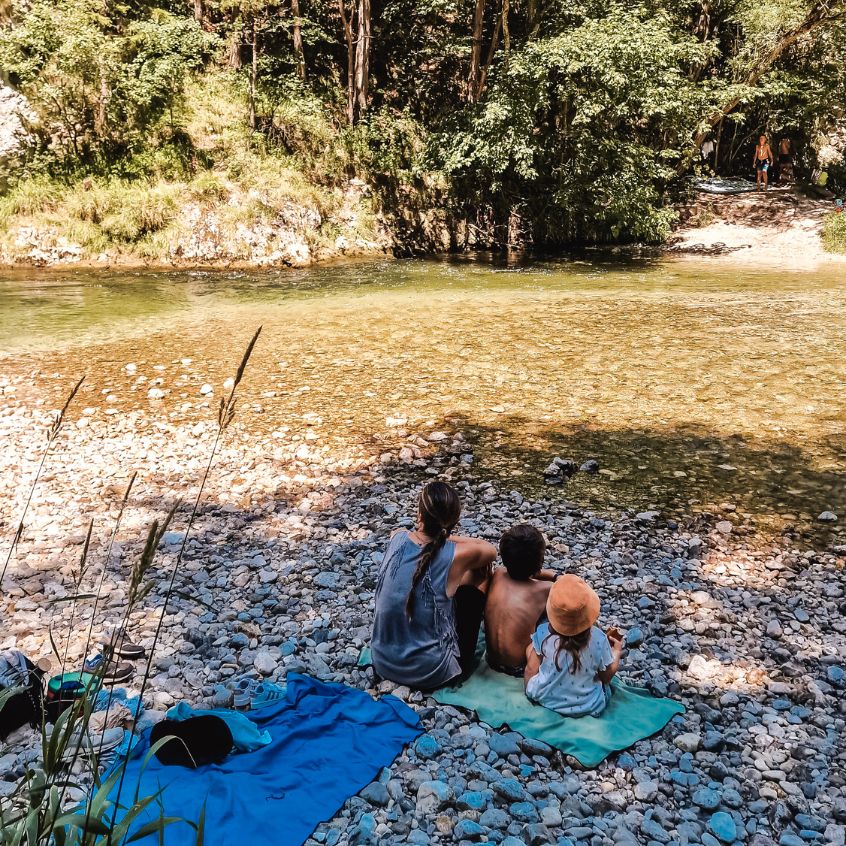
[{"x": 693, "y": 386}]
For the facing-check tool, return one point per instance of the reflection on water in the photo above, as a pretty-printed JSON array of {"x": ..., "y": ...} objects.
[{"x": 691, "y": 385}]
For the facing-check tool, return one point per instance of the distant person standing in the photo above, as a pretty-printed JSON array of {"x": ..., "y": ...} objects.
[
  {"x": 785, "y": 160},
  {"x": 708, "y": 150},
  {"x": 762, "y": 161}
]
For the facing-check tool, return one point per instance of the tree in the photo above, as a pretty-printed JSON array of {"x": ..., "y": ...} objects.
[
  {"x": 761, "y": 57},
  {"x": 357, "y": 25},
  {"x": 297, "y": 29},
  {"x": 101, "y": 87}
]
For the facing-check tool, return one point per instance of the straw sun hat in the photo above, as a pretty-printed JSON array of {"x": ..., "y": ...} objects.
[{"x": 572, "y": 606}]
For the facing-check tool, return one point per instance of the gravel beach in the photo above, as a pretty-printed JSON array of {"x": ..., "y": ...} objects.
[{"x": 279, "y": 573}]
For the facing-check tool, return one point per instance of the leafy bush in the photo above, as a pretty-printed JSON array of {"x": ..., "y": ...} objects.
[
  {"x": 580, "y": 130},
  {"x": 102, "y": 89},
  {"x": 834, "y": 232}
]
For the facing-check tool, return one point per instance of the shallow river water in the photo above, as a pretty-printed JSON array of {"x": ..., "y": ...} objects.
[{"x": 692, "y": 384}]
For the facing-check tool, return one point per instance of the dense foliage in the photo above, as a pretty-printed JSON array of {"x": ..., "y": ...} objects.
[{"x": 532, "y": 121}]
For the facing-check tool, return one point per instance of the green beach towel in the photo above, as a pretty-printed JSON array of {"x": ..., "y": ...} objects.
[{"x": 499, "y": 700}]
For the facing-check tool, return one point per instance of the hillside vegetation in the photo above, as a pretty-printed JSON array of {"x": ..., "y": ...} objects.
[{"x": 280, "y": 132}]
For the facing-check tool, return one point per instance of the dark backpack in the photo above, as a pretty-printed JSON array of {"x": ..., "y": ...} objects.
[{"x": 26, "y": 707}]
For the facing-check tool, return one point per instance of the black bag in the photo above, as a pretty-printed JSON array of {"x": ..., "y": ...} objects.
[
  {"x": 26, "y": 707},
  {"x": 193, "y": 742}
]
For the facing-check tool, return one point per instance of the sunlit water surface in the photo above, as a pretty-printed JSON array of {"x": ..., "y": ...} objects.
[{"x": 692, "y": 385}]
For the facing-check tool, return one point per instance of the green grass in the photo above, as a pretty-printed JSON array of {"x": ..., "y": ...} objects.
[
  {"x": 834, "y": 232},
  {"x": 239, "y": 178}
]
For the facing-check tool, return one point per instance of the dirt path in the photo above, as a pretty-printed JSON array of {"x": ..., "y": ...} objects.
[{"x": 780, "y": 226}]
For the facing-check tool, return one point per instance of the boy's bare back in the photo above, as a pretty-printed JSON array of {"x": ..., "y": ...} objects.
[{"x": 512, "y": 612}]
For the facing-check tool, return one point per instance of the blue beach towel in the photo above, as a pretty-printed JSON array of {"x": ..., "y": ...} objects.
[{"x": 327, "y": 742}]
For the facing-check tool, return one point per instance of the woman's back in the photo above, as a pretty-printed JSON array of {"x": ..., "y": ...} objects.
[
  {"x": 571, "y": 694},
  {"x": 421, "y": 652}
]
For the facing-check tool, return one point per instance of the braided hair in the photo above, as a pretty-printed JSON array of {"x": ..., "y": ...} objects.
[{"x": 438, "y": 509}]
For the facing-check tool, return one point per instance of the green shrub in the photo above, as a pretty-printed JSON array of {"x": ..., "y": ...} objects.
[
  {"x": 834, "y": 233},
  {"x": 208, "y": 185},
  {"x": 28, "y": 198},
  {"x": 103, "y": 88}
]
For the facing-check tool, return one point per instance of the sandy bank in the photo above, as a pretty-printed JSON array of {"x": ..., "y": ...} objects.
[{"x": 780, "y": 227}]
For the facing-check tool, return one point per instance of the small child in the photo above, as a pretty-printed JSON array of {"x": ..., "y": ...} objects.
[
  {"x": 516, "y": 598},
  {"x": 570, "y": 661}
]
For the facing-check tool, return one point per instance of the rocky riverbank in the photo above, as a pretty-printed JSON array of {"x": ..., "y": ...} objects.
[{"x": 279, "y": 574}]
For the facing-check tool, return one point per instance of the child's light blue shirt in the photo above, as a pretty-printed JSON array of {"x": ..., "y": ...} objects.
[{"x": 570, "y": 694}]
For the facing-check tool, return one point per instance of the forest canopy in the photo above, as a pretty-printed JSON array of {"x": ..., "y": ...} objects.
[{"x": 543, "y": 121}]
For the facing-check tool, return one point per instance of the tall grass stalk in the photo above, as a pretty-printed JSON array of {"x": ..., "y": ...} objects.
[
  {"x": 226, "y": 413},
  {"x": 52, "y": 434},
  {"x": 35, "y": 814},
  {"x": 38, "y": 816}
]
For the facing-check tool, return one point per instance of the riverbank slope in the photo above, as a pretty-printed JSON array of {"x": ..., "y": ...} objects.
[
  {"x": 278, "y": 576},
  {"x": 780, "y": 227}
]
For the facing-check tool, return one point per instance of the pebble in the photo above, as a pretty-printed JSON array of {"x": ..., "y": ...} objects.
[
  {"x": 433, "y": 796},
  {"x": 707, "y": 799},
  {"x": 427, "y": 747},
  {"x": 688, "y": 742},
  {"x": 774, "y": 630},
  {"x": 376, "y": 793},
  {"x": 646, "y": 791},
  {"x": 723, "y": 827}
]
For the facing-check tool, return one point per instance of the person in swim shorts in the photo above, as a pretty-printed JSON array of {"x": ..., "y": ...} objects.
[{"x": 762, "y": 160}]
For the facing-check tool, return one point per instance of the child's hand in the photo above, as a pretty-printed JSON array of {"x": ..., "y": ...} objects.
[
  {"x": 613, "y": 634},
  {"x": 617, "y": 648}
]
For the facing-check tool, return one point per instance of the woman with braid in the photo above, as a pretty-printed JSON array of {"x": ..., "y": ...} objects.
[{"x": 430, "y": 597}]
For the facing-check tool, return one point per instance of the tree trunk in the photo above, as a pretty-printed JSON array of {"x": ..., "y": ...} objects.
[
  {"x": 298, "y": 39},
  {"x": 506, "y": 34},
  {"x": 362, "y": 58},
  {"x": 483, "y": 79},
  {"x": 348, "y": 36},
  {"x": 102, "y": 106},
  {"x": 717, "y": 147},
  {"x": 253, "y": 77},
  {"x": 532, "y": 17},
  {"x": 198, "y": 11},
  {"x": 233, "y": 48},
  {"x": 476, "y": 52}
]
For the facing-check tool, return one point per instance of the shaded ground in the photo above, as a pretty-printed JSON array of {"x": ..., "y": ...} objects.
[
  {"x": 779, "y": 227},
  {"x": 283, "y": 563}
]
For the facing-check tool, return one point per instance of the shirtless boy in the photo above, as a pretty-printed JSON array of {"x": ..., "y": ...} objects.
[
  {"x": 762, "y": 161},
  {"x": 516, "y": 598}
]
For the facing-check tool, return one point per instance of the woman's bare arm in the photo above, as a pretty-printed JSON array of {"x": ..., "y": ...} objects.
[{"x": 472, "y": 555}]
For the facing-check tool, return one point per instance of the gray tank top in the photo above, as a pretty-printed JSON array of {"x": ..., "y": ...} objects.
[{"x": 422, "y": 652}]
